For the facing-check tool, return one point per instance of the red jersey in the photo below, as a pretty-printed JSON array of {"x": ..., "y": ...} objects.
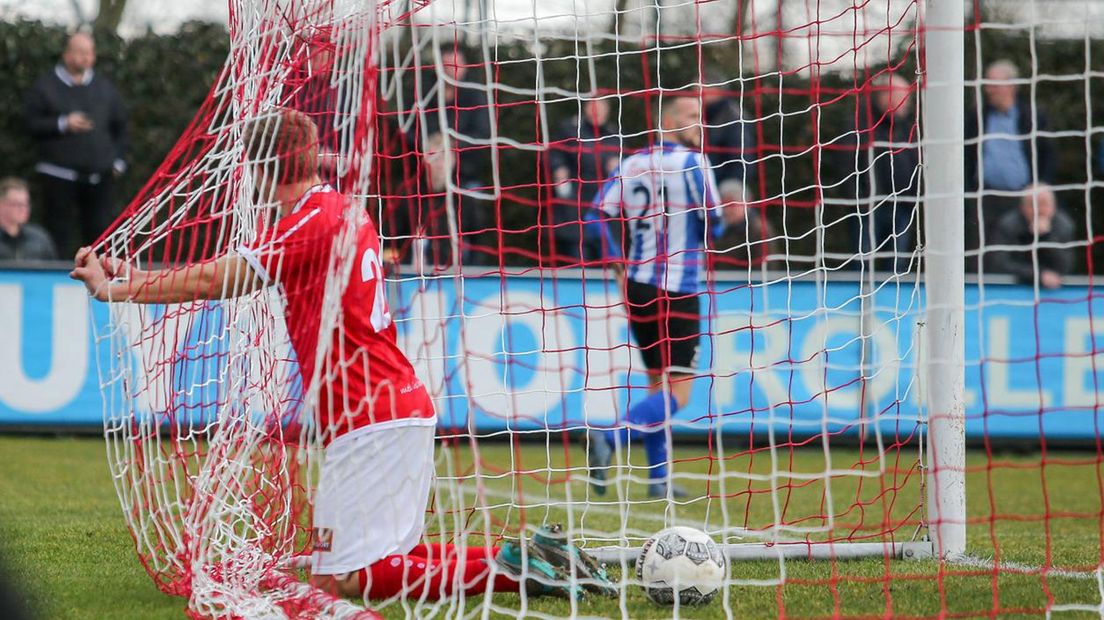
[{"x": 365, "y": 378}]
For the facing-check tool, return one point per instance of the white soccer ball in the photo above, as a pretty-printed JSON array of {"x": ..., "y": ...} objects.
[{"x": 681, "y": 562}]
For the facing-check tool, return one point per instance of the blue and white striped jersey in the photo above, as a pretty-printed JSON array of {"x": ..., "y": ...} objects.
[{"x": 665, "y": 195}]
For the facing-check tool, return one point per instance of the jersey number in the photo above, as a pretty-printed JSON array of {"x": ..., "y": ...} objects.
[
  {"x": 643, "y": 223},
  {"x": 372, "y": 269}
]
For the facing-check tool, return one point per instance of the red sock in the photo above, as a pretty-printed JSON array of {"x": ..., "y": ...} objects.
[
  {"x": 433, "y": 577},
  {"x": 450, "y": 552}
]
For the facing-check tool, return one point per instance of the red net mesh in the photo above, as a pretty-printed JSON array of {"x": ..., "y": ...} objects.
[{"x": 482, "y": 149}]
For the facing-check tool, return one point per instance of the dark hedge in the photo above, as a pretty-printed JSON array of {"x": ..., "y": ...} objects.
[{"x": 164, "y": 78}]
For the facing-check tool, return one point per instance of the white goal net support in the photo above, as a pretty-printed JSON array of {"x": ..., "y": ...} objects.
[
  {"x": 807, "y": 429},
  {"x": 845, "y": 355},
  {"x": 211, "y": 448}
]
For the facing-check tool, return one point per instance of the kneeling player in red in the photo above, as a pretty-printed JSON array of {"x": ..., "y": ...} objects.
[{"x": 375, "y": 417}]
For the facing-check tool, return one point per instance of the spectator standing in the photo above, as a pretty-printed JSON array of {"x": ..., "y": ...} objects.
[
  {"x": 744, "y": 239},
  {"x": 1098, "y": 157},
  {"x": 1004, "y": 156},
  {"x": 730, "y": 141},
  {"x": 19, "y": 239},
  {"x": 466, "y": 112},
  {"x": 79, "y": 121},
  {"x": 1036, "y": 224},
  {"x": 426, "y": 225},
  {"x": 585, "y": 152},
  {"x": 312, "y": 92},
  {"x": 881, "y": 168}
]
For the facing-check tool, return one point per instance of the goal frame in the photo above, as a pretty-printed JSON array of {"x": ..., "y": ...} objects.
[
  {"x": 943, "y": 133},
  {"x": 942, "y": 366}
]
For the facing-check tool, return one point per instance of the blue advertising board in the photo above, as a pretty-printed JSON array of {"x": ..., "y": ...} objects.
[{"x": 524, "y": 353}]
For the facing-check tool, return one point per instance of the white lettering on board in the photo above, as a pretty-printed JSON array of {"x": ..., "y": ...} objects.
[{"x": 68, "y": 351}]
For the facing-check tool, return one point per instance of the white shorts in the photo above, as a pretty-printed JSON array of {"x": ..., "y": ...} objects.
[{"x": 372, "y": 495}]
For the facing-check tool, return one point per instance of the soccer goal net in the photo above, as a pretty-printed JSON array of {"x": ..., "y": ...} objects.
[
  {"x": 805, "y": 435},
  {"x": 865, "y": 307}
]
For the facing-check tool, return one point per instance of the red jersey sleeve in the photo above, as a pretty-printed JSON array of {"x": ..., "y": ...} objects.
[{"x": 297, "y": 243}]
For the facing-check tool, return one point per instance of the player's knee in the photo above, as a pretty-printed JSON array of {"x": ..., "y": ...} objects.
[
  {"x": 346, "y": 585},
  {"x": 682, "y": 399},
  {"x": 680, "y": 390},
  {"x": 326, "y": 583}
]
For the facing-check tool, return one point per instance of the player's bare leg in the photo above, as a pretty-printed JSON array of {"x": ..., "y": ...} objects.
[{"x": 346, "y": 585}]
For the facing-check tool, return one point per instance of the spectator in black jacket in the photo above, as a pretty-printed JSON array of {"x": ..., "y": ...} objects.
[
  {"x": 1098, "y": 158},
  {"x": 584, "y": 151},
  {"x": 1037, "y": 223},
  {"x": 424, "y": 225},
  {"x": 80, "y": 124},
  {"x": 730, "y": 139},
  {"x": 467, "y": 113},
  {"x": 878, "y": 164},
  {"x": 745, "y": 237},
  {"x": 1000, "y": 157},
  {"x": 19, "y": 239}
]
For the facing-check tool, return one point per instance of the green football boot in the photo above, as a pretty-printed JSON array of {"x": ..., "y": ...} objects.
[
  {"x": 537, "y": 575},
  {"x": 551, "y": 541}
]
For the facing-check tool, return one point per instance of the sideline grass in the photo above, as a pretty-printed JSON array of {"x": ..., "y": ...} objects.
[{"x": 63, "y": 538}]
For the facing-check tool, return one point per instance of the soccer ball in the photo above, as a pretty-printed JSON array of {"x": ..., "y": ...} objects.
[{"x": 681, "y": 562}]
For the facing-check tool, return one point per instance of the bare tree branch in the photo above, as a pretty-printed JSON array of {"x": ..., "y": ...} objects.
[
  {"x": 78, "y": 12},
  {"x": 741, "y": 25},
  {"x": 110, "y": 15},
  {"x": 618, "y": 10}
]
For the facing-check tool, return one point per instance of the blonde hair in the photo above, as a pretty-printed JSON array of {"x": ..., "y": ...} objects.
[
  {"x": 285, "y": 143},
  {"x": 1007, "y": 67},
  {"x": 9, "y": 184}
]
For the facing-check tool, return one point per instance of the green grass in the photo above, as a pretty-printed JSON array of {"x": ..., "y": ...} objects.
[{"x": 63, "y": 536}]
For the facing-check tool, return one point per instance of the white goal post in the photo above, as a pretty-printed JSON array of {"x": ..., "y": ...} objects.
[{"x": 945, "y": 268}]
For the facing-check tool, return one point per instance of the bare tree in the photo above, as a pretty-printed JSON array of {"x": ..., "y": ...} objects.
[
  {"x": 741, "y": 25},
  {"x": 622, "y": 6},
  {"x": 619, "y": 8},
  {"x": 110, "y": 15},
  {"x": 78, "y": 11}
]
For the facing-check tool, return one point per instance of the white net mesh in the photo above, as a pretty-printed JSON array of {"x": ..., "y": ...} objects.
[
  {"x": 210, "y": 455},
  {"x": 493, "y": 127},
  {"x": 804, "y": 436}
]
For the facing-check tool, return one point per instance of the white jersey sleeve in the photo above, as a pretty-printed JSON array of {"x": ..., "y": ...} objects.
[
  {"x": 609, "y": 198},
  {"x": 704, "y": 183}
]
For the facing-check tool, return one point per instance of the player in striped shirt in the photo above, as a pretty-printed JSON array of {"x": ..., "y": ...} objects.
[{"x": 663, "y": 199}]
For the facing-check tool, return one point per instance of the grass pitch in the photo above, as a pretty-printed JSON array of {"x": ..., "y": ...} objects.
[{"x": 65, "y": 544}]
